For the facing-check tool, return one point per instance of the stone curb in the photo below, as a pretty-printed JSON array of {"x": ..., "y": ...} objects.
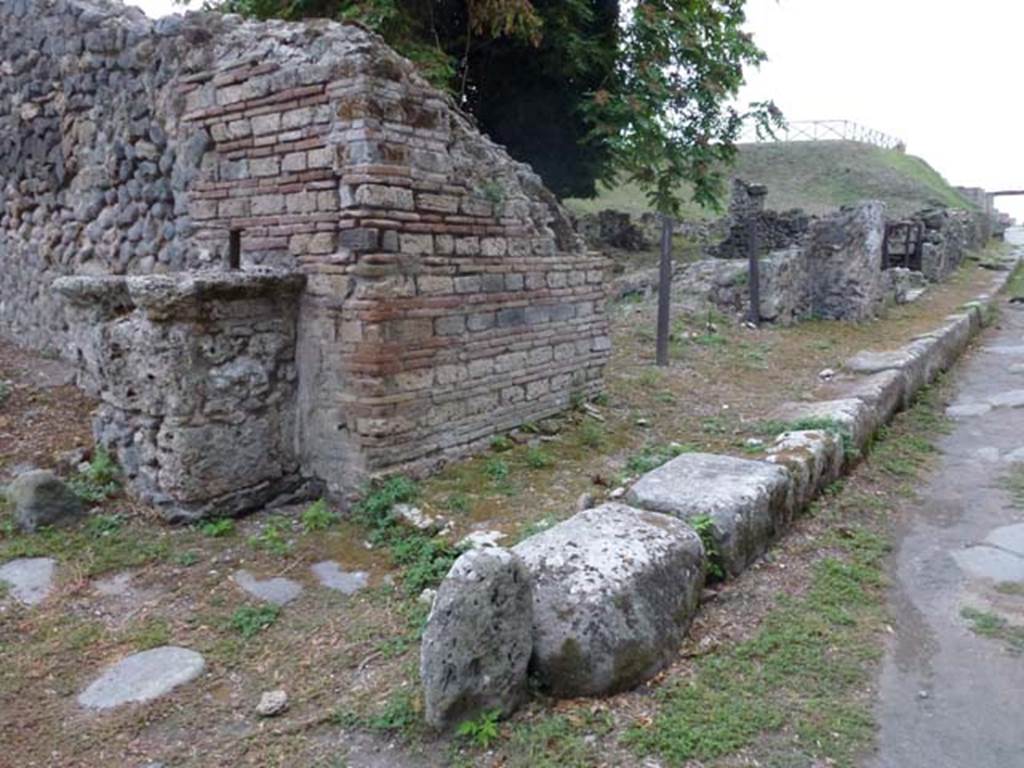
[{"x": 746, "y": 504}]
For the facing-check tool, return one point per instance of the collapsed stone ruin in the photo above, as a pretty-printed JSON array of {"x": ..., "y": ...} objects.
[
  {"x": 830, "y": 267},
  {"x": 289, "y": 262}
]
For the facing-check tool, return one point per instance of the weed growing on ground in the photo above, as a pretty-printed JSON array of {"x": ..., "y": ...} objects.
[
  {"x": 100, "y": 480},
  {"x": 704, "y": 526},
  {"x": 186, "y": 559},
  {"x": 152, "y": 633},
  {"x": 653, "y": 456},
  {"x": 274, "y": 537},
  {"x": 5, "y": 391},
  {"x": 591, "y": 434},
  {"x": 1015, "y": 588},
  {"x": 992, "y": 625},
  {"x": 538, "y": 458},
  {"x": 424, "y": 559},
  {"x": 1013, "y": 483},
  {"x": 219, "y": 528},
  {"x": 318, "y": 517},
  {"x": 501, "y": 443},
  {"x": 250, "y": 620},
  {"x": 482, "y": 730},
  {"x": 458, "y": 502},
  {"x": 104, "y": 526}
]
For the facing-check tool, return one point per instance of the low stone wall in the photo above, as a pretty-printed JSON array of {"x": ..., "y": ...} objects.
[
  {"x": 589, "y": 647},
  {"x": 197, "y": 384},
  {"x": 949, "y": 235}
]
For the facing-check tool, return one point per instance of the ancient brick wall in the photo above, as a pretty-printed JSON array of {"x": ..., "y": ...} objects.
[{"x": 447, "y": 297}]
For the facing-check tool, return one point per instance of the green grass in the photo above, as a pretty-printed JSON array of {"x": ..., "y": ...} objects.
[
  {"x": 807, "y": 651},
  {"x": 318, "y": 517},
  {"x": 100, "y": 480},
  {"x": 424, "y": 559},
  {"x": 250, "y": 620},
  {"x": 996, "y": 627},
  {"x": 219, "y": 528},
  {"x": 815, "y": 176},
  {"x": 653, "y": 456},
  {"x": 274, "y": 538}
]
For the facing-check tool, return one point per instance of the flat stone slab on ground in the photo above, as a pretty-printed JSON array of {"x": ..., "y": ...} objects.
[
  {"x": 29, "y": 579},
  {"x": 142, "y": 677},
  {"x": 1008, "y": 537},
  {"x": 277, "y": 590},
  {"x": 331, "y": 575},
  {"x": 1013, "y": 398},
  {"x": 966, "y": 410},
  {"x": 746, "y": 501},
  {"x": 990, "y": 562},
  {"x": 614, "y": 591}
]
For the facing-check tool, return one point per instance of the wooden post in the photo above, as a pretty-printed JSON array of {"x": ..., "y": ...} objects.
[
  {"x": 664, "y": 290},
  {"x": 753, "y": 247}
]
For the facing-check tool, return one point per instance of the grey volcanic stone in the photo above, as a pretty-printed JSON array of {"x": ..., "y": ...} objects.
[
  {"x": 858, "y": 418},
  {"x": 476, "y": 646},
  {"x": 143, "y": 677},
  {"x": 968, "y": 409},
  {"x": 814, "y": 459},
  {"x": 330, "y": 574},
  {"x": 40, "y": 499},
  {"x": 748, "y": 502},
  {"x": 29, "y": 579},
  {"x": 614, "y": 591},
  {"x": 1013, "y": 398},
  {"x": 278, "y": 590}
]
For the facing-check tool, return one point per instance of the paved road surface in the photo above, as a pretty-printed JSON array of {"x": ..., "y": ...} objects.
[{"x": 950, "y": 698}]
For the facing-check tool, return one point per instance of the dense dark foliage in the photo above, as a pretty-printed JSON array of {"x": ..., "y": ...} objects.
[{"x": 577, "y": 88}]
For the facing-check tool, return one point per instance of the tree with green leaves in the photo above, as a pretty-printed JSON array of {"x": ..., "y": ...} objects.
[{"x": 583, "y": 90}]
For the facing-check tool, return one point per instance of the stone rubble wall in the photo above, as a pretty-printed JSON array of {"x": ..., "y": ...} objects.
[
  {"x": 197, "y": 383},
  {"x": 949, "y": 236},
  {"x": 748, "y": 503},
  {"x": 447, "y": 297}
]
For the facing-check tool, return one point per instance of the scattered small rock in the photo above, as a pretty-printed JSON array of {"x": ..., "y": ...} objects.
[
  {"x": 642, "y": 422},
  {"x": 272, "y": 703},
  {"x": 617, "y": 493},
  {"x": 41, "y": 499},
  {"x": 414, "y": 517},
  {"x": 753, "y": 442},
  {"x": 480, "y": 539},
  {"x": 427, "y": 597},
  {"x": 585, "y": 501},
  {"x": 827, "y": 374}
]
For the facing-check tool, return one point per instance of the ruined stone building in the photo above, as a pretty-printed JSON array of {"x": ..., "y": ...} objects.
[{"x": 282, "y": 259}]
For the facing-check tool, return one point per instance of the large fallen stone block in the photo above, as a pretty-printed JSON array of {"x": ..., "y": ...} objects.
[
  {"x": 813, "y": 458},
  {"x": 946, "y": 343},
  {"x": 477, "y": 643},
  {"x": 746, "y": 502},
  {"x": 614, "y": 590},
  {"x": 886, "y": 392},
  {"x": 41, "y": 499},
  {"x": 855, "y": 419}
]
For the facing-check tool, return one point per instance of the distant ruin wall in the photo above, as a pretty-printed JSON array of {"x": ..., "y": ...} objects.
[{"x": 446, "y": 296}]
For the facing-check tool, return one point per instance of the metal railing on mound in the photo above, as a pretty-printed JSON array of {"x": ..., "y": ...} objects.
[{"x": 828, "y": 130}]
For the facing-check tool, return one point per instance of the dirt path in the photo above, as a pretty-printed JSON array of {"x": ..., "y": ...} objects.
[{"x": 952, "y": 685}]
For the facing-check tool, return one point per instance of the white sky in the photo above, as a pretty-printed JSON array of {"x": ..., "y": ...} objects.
[{"x": 939, "y": 74}]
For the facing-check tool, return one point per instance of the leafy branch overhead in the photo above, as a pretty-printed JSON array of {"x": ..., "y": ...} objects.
[{"x": 583, "y": 90}]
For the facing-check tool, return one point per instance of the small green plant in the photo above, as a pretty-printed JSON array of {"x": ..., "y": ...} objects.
[
  {"x": 99, "y": 480},
  {"x": 318, "y": 517},
  {"x": 650, "y": 378},
  {"x": 458, "y": 502},
  {"x": 501, "y": 443},
  {"x": 250, "y": 620},
  {"x": 497, "y": 470},
  {"x": 399, "y": 714},
  {"x": 493, "y": 192},
  {"x": 482, "y": 730},
  {"x": 988, "y": 624},
  {"x": 219, "y": 528},
  {"x": 653, "y": 456},
  {"x": 577, "y": 400},
  {"x": 5, "y": 391},
  {"x": 704, "y": 526},
  {"x": 424, "y": 560},
  {"x": 538, "y": 458},
  {"x": 822, "y": 423},
  {"x": 104, "y": 526},
  {"x": 274, "y": 537},
  {"x": 186, "y": 559},
  {"x": 591, "y": 434}
]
